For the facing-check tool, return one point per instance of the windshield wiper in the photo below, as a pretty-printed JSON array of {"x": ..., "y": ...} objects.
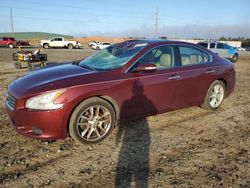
[
  {"x": 87, "y": 67},
  {"x": 77, "y": 63}
]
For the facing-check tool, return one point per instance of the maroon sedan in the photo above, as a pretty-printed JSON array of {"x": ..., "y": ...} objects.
[{"x": 125, "y": 81}]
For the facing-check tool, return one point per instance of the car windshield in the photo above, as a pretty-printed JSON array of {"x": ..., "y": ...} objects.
[{"x": 114, "y": 56}]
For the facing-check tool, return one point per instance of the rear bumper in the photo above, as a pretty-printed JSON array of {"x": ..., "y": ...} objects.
[{"x": 48, "y": 125}]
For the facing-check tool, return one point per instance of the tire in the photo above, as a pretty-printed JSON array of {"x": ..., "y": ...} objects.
[
  {"x": 215, "y": 95},
  {"x": 43, "y": 64},
  {"x": 97, "y": 48},
  {"x": 235, "y": 58},
  {"x": 85, "y": 122},
  {"x": 46, "y": 46},
  {"x": 31, "y": 66},
  {"x": 70, "y": 46},
  {"x": 17, "y": 65},
  {"x": 11, "y": 45}
]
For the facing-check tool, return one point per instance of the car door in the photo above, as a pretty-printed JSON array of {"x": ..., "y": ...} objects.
[
  {"x": 52, "y": 42},
  {"x": 197, "y": 72},
  {"x": 154, "y": 92},
  {"x": 59, "y": 42},
  {"x": 222, "y": 50}
]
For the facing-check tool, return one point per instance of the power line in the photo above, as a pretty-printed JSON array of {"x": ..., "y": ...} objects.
[{"x": 80, "y": 7}]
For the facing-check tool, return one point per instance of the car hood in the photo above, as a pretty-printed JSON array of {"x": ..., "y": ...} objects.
[{"x": 50, "y": 78}]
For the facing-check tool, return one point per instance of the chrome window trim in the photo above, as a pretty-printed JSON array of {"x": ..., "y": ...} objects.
[
  {"x": 203, "y": 51},
  {"x": 178, "y": 45}
]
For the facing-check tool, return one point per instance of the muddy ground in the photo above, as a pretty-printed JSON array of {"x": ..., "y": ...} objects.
[{"x": 185, "y": 148}]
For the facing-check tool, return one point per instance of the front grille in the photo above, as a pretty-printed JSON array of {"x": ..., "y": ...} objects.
[{"x": 10, "y": 101}]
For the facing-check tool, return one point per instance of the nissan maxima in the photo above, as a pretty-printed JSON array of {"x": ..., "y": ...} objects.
[{"x": 86, "y": 99}]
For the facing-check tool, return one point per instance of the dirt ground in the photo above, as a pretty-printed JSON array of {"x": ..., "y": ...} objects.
[{"x": 185, "y": 148}]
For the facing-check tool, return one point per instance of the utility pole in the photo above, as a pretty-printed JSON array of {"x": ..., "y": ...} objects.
[
  {"x": 12, "y": 26},
  {"x": 156, "y": 21},
  {"x": 216, "y": 33}
]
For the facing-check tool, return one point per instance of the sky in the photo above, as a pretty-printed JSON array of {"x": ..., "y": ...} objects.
[{"x": 175, "y": 18}]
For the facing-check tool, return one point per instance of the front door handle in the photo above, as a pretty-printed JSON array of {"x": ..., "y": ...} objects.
[
  {"x": 174, "y": 77},
  {"x": 211, "y": 71}
]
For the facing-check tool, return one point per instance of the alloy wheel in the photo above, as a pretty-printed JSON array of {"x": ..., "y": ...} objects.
[
  {"x": 94, "y": 123},
  {"x": 216, "y": 96}
]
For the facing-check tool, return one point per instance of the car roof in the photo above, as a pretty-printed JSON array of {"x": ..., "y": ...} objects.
[{"x": 159, "y": 41}]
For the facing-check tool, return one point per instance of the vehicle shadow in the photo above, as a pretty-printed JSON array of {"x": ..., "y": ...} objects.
[{"x": 133, "y": 162}]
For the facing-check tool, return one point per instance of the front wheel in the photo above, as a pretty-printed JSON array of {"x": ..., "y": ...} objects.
[
  {"x": 92, "y": 121},
  {"x": 235, "y": 58},
  {"x": 17, "y": 65},
  {"x": 215, "y": 95}
]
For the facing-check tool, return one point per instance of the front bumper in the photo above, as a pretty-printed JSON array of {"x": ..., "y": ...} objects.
[{"x": 48, "y": 125}]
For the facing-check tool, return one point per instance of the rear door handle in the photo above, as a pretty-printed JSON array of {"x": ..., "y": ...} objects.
[
  {"x": 211, "y": 71},
  {"x": 174, "y": 77}
]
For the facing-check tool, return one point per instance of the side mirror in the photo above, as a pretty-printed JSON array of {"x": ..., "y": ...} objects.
[{"x": 146, "y": 67}]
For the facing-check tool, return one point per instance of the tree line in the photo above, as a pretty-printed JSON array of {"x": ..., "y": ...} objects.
[{"x": 245, "y": 42}]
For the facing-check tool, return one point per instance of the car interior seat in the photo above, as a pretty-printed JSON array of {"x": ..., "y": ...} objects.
[{"x": 165, "y": 61}]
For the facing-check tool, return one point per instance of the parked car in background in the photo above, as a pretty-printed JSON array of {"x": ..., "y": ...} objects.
[
  {"x": 100, "y": 46},
  {"x": 93, "y": 43},
  {"x": 59, "y": 42},
  {"x": 8, "y": 41},
  {"x": 22, "y": 43},
  {"x": 86, "y": 99},
  {"x": 222, "y": 49},
  {"x": 241, "y": 49},
  {"x": 247, "y": 48}
]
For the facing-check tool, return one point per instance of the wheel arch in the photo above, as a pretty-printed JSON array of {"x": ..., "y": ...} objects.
[
  {"x": 225, "y": 82},
  {"x": 108, "y": 99}
]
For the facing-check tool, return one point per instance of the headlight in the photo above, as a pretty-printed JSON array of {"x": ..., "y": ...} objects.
[{"x": 44, "y": 101}]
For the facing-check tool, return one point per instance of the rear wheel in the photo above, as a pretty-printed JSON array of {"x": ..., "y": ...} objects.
[
  {"x": 70, "y": 46},
  {"x": 31, "y": 66},
  {"x": 46, "y": 46},
  {"x": 98, "y": 48},
  {"x": 234, "y": 58},
  {"x": 92, "y": 121},
  {"x": 215, "y": 95},
  {"x": 11, "y": 45}
]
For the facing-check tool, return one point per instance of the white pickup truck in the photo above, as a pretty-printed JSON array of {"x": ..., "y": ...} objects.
[{"x": 59, "y": 42}]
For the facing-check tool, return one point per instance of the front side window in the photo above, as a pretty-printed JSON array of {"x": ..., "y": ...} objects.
[
  {"x": 162, "y": 57},
  {"x": 113, "y": 57},
  {"x": 191, "y": 56},
  {"x": 220, "y": 45}
]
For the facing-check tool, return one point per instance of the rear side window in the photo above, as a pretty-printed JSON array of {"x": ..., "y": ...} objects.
[
  {"x": 212, "y": 45},
  {"x": 192, "y": 56},
  {"x": 203, "y": 44}
]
